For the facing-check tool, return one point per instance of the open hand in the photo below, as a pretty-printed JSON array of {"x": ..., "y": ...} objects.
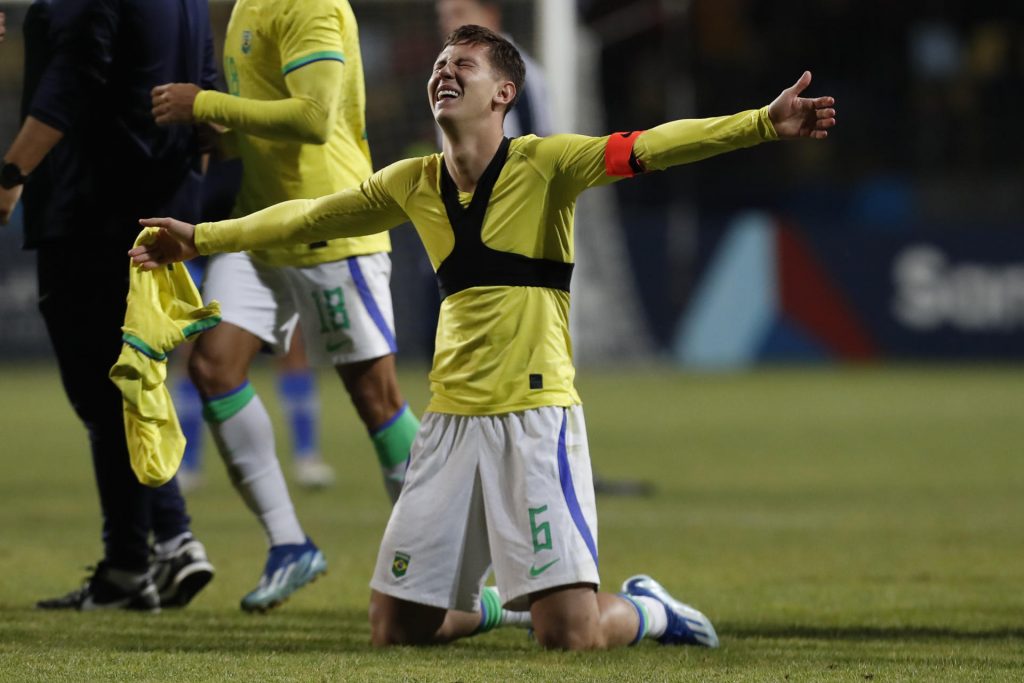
[
  {"x": 174, "y": 242},
  {"x": 172, "y": 103},
  {"x": 802, "y": 117}
]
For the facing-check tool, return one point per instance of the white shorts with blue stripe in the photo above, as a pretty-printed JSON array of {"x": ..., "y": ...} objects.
[
  {"x": 344, "y": 306},
  {"x": 512, "y": 490}
]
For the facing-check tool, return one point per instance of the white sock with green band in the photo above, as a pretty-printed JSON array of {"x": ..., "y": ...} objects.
[
  {"x": 245, "y": 438},
  {"x": 493, "y": 615},
  {"x": 392, "y": 440},
  {"x": 653, "y": 619}
]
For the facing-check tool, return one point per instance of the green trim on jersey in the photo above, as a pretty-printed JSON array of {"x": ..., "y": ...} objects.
[
  {"x": 309, "y": 59},
  {"x": 223, "y": 409},
  {"x": 142, "y": 347},
  {"x": 201, "y": 326}
]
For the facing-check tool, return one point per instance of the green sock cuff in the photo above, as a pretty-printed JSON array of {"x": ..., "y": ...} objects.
[
  {"x": 490, "y": 610},
  {"x": 641, "y": 612},
  {"x": 394, "y": 439},
  {"x": 228, "y": 405}
]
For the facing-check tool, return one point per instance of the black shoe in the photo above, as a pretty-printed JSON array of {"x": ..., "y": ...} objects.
[
  {"x": 101, "y": 591},
  {"x": 182, "y": 573}
]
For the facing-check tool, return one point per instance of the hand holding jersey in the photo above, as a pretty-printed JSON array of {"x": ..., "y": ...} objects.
[{"x": 175, "y": 242}]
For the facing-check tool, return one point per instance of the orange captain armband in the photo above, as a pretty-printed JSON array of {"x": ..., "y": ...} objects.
[{"x": 619, "y": 159}]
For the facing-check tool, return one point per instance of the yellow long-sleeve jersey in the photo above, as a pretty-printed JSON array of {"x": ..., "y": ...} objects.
[
  {"x": 296, "y": 112},
  {"x": 503, "y": 335}
]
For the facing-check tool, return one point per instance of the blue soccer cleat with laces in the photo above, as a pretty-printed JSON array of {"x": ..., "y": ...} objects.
[
  {"x": 288, "y": 568},
  {"x": 686, "y": 625}
]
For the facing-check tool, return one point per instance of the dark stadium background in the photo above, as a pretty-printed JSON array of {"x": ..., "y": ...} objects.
[{"x": 926, "y": 154}]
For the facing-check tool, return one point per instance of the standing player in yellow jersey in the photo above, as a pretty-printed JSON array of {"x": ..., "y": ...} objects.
[
  {"x": 296, "y": 115},
  {"x": 500, "y": 470}
]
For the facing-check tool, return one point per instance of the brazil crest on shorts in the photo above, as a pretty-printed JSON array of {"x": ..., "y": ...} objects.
[{"x": 400, "y": 565}]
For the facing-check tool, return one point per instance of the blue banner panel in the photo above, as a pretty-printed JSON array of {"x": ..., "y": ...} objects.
[
  {"x": 933, "y": 295},
  {"x": 769, "y": 291}
]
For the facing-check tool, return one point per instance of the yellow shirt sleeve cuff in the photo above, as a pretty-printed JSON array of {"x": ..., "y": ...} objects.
[{"x": 765, "y": 126}]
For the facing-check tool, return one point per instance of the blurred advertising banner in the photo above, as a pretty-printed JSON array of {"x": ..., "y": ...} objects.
[{"x": 771, "y": 292}]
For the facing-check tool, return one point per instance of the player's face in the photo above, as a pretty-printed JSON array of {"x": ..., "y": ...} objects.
[
  {"x": 462, "y": 85},
  {"x": 452, "y": 14}
]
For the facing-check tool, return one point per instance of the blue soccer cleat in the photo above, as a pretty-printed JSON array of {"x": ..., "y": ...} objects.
[
  {"x": 288, "y": 568},
  {"x": 686, "y": 625}
]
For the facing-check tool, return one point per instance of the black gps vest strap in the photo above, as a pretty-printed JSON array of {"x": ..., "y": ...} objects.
[{"x": 472, "y": 263}]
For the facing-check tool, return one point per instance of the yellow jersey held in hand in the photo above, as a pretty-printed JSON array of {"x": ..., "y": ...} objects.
[{"x": 164, "y": 309}]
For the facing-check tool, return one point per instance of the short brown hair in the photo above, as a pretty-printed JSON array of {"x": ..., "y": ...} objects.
[{"x": 504, "y": 57}]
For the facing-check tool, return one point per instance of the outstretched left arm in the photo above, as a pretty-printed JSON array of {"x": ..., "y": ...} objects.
[{"x": 788, "y": 117}]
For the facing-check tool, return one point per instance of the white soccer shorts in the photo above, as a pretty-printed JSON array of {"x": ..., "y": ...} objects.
[
  {"x": 344, "y": 306},
  {"x": 515, "y": 490}
]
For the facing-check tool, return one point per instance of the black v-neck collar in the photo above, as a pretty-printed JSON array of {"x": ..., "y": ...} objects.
[{"x": 472, "y": 217}]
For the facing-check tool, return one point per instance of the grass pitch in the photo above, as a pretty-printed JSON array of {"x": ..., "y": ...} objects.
[{"x": 844, "y": 525}]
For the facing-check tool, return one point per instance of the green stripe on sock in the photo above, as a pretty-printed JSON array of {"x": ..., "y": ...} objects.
[
  {"x": 394, "y": 441},
  {"x": 221, "y": 409},
  {"x": 642, "y": 614},
  {"x": 490, "y": 610}
]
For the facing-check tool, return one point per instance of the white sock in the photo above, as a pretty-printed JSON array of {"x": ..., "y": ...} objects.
[
  {"x": 517, "y": 619},
  {"x": 493, "y": 615},
  {"x": 657, "y": 620},
  {"x": 246, "y": 442}
]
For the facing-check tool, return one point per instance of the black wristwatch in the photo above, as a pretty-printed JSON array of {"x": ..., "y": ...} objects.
[{"x": 11, "y": 176}]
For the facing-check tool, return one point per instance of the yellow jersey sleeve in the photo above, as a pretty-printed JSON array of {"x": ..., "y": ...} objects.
[
  {"x": 307, "y": 116},
  {"x": 307, "y": 32},
  {"x": 689, "y": 140},
  {"x": 584, "y": 162},
  {"x": 376, "y": 205}
]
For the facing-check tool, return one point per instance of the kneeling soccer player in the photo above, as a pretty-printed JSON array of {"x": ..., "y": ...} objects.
[{"x": 500, "y": 471}]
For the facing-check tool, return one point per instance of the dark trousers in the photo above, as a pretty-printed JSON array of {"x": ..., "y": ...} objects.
[{"x": 82, "y": 298}]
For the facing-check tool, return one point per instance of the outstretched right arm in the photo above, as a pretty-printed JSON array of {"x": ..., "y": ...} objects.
[{"x": 370, "y": 208}]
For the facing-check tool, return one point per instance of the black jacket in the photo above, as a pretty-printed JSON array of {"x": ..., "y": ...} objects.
[{"x": 90, "y": 66}]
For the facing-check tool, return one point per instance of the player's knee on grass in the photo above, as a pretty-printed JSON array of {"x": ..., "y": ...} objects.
[
  {"x": 567, "y": 634},
  {"x": 398, "y": 622},
  {"x": 567, "y": 618}
]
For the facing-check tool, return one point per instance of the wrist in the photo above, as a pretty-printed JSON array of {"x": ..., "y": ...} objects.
[{"x": 11, "y": 175}]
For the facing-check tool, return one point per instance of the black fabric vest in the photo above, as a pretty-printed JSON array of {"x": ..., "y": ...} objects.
[{"x": 473, "y": 264}]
